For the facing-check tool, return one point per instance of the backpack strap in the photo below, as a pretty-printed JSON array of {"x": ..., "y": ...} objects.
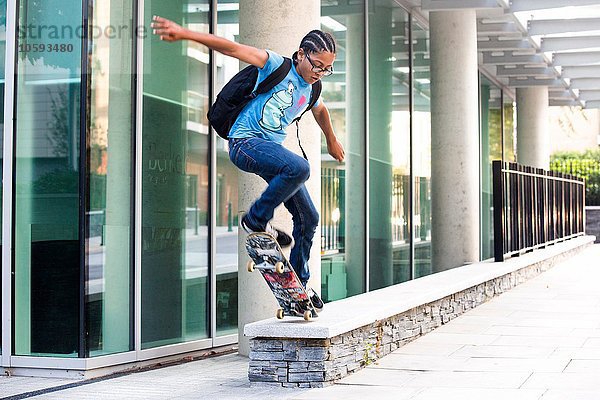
[
  {"x": 315, "y": 93},
  {"x": 274, "y": 78}
]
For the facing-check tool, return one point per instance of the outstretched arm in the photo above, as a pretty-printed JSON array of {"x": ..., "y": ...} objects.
[
  {"x": 334, "y": 147},
  {"x": 171, "y": 32}
]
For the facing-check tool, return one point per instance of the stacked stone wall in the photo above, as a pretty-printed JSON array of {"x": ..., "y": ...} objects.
[{"x": 303, "y": 362}]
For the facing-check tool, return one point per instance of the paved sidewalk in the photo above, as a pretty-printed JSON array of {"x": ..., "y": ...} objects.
[{"x": 540, "y": 340}]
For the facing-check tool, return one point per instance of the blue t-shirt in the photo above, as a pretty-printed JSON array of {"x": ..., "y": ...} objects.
[{"x": 268, "y": 115}]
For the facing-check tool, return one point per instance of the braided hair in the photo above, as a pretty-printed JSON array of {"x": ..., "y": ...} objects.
[{"x": 316, "y": 41}]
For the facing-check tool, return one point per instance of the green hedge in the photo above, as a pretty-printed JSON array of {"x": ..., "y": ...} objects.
[{"x": 584, "y": 165}]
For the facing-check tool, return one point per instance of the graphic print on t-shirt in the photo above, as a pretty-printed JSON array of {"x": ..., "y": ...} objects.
[{"x": 272, "y": 112}]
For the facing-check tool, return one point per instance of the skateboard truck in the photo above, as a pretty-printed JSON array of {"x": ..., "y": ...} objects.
[{"x": 279, "y": 266}]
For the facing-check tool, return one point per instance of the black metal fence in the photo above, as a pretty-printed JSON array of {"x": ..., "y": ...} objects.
[{"x": 534, "y": 207}]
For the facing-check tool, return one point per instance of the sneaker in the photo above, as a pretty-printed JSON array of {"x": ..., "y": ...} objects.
[
  {"x": 315, "y": 299},
  {"x": 283, "y": 239}
]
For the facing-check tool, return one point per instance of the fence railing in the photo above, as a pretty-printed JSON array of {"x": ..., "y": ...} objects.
[{"x": 534, "y": 207}]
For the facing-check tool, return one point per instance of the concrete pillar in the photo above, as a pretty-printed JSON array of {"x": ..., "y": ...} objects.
[
  {"x": 533, "y": 136},
  {"x": 454, "y": 139},
  {"x": 280, "y": 31}
]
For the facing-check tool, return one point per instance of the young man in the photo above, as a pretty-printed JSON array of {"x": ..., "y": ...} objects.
[{"x": 255, "y": 138}]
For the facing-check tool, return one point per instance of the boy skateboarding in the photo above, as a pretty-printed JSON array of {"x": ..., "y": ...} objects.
[{"x": 256, "y": 137}]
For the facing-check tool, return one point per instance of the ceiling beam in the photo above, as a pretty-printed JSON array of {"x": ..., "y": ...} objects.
[
  {"x": 582, "y": 71},
  {"x": 523, "y": 71},
  {"x": 531, "y": 5},
  {"x": 589, "y": 95},
  {"x": 564, "y": 103},
  {"x": 496, "y": 28},
  {"x": 570, "y": 43},
  {"x": 529, "y": 82},
  {"x": 585, "y": 83},
  {"x": 592, "y": 104},
  {"x": 510, "y": 59},
  {"x": 494, "y": 44},
  {"x": 579, "y": 58},
  {"x": 444, "y": 5},
  {"x": 560, "y": 94},
  {"x": 551, "y": 26}
]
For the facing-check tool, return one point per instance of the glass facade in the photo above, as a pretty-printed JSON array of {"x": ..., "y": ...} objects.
[
  {"x": 109, "y": 172},
  {"x": 421, "y": 151},
  {"x": 343, "y": 207},
  {"x": 175, "y": 271},
  {"x": 390, "y": 217},
  {"x": 498, "y": 142},
  {"x": 48, "y": 251},
  {"x": 226, "y": 189},
  {"x": 509, "y": 127},
  {"x": 125, "y": 214},
  {"x": 491, "y": 149}
]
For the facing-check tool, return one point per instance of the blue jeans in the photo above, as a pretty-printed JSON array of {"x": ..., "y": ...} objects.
[{"x": 285, "y": 173}]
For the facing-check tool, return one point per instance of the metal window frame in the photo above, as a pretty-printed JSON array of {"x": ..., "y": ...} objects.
[
  {"x": 414, "y": 20},
  {"x": 137, "y": 236},
  {"x": 367, "y": 150},
  {"x": 212, "y": 189},
  {"x": 227, "y": 339},
  {"x": 412, "y": 186},
  {"x": 84, "y": 178},
  {"x": 7, "y": 177}
]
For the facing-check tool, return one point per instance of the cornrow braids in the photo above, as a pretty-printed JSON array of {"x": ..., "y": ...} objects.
[{"x": 317, "y": 41}]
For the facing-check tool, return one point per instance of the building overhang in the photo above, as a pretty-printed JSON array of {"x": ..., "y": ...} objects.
[{"x": 524, "y": 43}]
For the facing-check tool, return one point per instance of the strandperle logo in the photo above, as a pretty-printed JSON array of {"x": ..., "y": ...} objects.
[{"x": 70, "y": 32}]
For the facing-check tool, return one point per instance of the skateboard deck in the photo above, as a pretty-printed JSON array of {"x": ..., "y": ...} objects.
[{"x": 267, "y": 257}]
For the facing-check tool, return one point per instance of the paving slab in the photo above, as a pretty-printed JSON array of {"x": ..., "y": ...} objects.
[{"x": 537, "y": 353}]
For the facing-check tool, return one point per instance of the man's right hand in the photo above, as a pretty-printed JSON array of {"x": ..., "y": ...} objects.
[{"x": 167, "y": 29}]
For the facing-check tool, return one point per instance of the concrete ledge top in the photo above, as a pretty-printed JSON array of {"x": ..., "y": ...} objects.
[{"x": 345, "y": 315}]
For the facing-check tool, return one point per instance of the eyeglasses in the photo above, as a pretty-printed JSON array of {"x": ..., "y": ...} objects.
[{"x": 319, "y": 70}]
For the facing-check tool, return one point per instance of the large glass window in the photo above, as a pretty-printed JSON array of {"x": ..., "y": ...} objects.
[
  {"x": 389, "y": 145},
  {"x": 226, "y": 239},
  {"x": 509, "y": 128},
  {"x": 342, "y": 185},
  {"x": 47, "y": 282},
  {"x": 491, "y": 149},
  {"x": 421, "y": 151},
  {"x": 108, "y": 213},
  {"x": 175, "y": 176}
]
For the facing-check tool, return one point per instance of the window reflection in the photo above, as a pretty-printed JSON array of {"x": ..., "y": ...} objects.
[
  {"x": 46, "y": 209},
  {"x": 491, "y": 149},
  {"x": 342, "y": 205},
  {"x": 175, "y": 176},
  {"x": 422, "y": 151},
  {"x": 389, "y": 145},
  {"x": 226, "y": 190},
  {"x": 108, "y": 241}
]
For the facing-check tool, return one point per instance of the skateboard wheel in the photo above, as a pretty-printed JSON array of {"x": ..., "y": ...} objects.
[
  {"x": 279, "y": 313},
  {"x": 250, "y": 266},
  {"x": 279, "y": 267},
  {"x": 307, "y": 315}
]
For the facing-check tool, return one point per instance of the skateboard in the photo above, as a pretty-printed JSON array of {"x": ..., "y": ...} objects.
[{"x": 267, "y": 257}]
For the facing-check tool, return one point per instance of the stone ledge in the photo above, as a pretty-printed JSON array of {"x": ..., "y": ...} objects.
[
  {"x": 351, "y": 333},
  {"x": 345, "y": 315}
]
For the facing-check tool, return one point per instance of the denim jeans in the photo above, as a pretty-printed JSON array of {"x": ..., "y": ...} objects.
[{"x": 285, "y": 173}]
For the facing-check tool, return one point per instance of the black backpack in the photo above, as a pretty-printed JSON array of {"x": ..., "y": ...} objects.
[{"x": 239, "y": 91}]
